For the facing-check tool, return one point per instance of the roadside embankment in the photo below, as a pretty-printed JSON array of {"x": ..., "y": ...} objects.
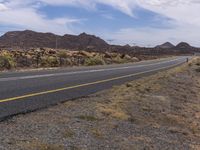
[{"x": 45, "y": 58}]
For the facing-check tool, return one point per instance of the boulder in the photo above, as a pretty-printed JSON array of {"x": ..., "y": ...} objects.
[
  {"x": 86, "y": 54},
  {"x": 52, "y": 52},
  {"x": 107, "y": 55},
  {"x": 135, "y": 59},
  {"x": 127, "y": 57}
]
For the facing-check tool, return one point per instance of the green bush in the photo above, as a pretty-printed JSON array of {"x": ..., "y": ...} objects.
[
  {"x": 62, "y": 54},
  {"x": 6, "y": 61},
  {"x": 94, "y": 61},
  {"x": 49, "y": 61},
  {"x": 119, "y": 60}
]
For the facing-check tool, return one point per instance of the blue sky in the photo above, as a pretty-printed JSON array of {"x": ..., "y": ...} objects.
[
  {"x": 105, "y": 18},
  {"x": 141, "y": 22}
]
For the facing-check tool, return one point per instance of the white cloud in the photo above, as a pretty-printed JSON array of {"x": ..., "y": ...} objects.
[
  {"x": 185, "y": 18},
  {"x": 3, "y": 7},
  {"x": 125, "y": 6},
  {"x": 183, "y": 13},
  {"x": 182, "y": 10},
  {"x": 24, "y": 14},
  {"x": 146, "y": 36}
]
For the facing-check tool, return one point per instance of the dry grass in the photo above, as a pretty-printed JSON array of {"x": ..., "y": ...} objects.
[
  {"x": 97, "y": 133},
  {"x": 113, "y": 112},
  {"x": 38, "y": 145},
  {"x": 87, "y": 118},
  {"x": 68, "y": 133},
  {"x": 135, "y": 92},
  {"x": 147, "y": 102}
]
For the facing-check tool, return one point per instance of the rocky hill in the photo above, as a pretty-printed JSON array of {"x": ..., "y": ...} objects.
[
  {"x": 183, "y": 46},
  {"x": 30, "y": 39},
  {"x": 25, "y": 40},
  {"x": 166, "y": 45}
]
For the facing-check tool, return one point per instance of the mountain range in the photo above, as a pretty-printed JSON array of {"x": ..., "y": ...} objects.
[
  {"x": 29, "y": 39},
  {"x": 166, "y": 45}
]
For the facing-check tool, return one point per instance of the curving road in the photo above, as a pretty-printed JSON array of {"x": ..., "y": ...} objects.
[{"x": 21, "y": 92}]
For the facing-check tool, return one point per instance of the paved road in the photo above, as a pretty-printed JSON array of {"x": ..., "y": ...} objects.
[{"x": 21, "y": 92}]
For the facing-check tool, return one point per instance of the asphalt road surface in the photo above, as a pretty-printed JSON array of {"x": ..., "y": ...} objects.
[{"x": 22, "y": 92}]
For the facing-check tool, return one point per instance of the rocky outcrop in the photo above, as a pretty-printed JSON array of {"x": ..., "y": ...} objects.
[
  {"x": 166, "y": 45},
  {"x": 46, "y": 57},
  {"x": 183, "y": 46}
]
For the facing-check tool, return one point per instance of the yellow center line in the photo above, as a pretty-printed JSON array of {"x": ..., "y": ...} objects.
[{"x": 82, "y": 85}]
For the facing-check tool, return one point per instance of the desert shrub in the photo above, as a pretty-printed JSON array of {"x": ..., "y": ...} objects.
[
  {"x": 49, "y": 61},
  {"x": 6, "y": 61},
  {"x": 118, "y": 60},
  {"x": 87, "y": 118},
  {"x": 66, "y": 62},
  {"x": 94, "y": 61},
  {"x": 23, "y": 61},
  {"x": 62, "y": 54}
]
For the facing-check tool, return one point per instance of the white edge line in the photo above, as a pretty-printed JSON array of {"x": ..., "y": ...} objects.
[{"x": 81, "y": 72}]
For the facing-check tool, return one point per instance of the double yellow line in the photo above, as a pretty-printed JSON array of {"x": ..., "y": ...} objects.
[{"x": 82, "y": 85}]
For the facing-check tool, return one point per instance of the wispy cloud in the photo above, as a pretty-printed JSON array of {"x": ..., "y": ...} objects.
[
  {"x": 26, "y": 15},
  {"x": 3, "y": 7},
  {"x": 125, "y": 6}
]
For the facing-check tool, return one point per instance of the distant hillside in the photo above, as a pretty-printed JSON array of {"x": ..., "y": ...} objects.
[
  {"x": 183, "y": 46},
  {"x": 166, "y": 45},
  {"x": 31, "y": 39}
]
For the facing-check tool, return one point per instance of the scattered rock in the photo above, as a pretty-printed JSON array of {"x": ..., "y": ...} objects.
[{"x": 46, "y": 57}]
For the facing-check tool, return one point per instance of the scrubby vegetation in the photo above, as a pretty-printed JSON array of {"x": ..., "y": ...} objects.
[
  {"x": 94, "y": 61},
  {"x": 36, "y": 58},
  {"x": 7, "y": 61},
  {"x": 49, "y": 61}
]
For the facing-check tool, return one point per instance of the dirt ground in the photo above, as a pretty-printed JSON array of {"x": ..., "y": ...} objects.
[{"x": 157, "y": 112}]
